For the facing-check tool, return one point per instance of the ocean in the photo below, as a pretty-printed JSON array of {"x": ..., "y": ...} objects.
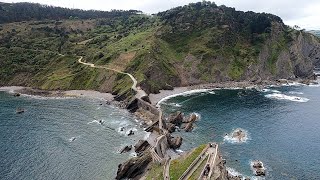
[
  {"x": 282, "y": 124},
  {"x": 63, "y": 138}
]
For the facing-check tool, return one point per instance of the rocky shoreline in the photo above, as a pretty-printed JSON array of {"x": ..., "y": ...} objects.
[{"x": 137, "y": 167}]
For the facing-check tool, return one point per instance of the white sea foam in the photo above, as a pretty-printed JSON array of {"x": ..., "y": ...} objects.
[
  {"x": 279, "y": 96},
  {"x": 233, "y": 139},
  {"x": 94, "y": 121},
  {"x": 45, "y": 98},
  {"x": 314, "y": 85},
  {"x": 269, "y": 90},
  {"x": 73, "y": 139},
  {"x": 233, "y": 172},
  {"x": 179, "y": 151},
  {"x": 133, "y": 154},
  {"x": 187, "y": 93},
  {"x": 295, "y": 92},
  {"x": 198, "y": 116}
]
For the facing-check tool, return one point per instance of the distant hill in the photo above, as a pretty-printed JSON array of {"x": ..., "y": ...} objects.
[
  {"x": 188, "y": 45},
  {"x": 16, "y": 12},
  {"x": 315, "y": 32}
]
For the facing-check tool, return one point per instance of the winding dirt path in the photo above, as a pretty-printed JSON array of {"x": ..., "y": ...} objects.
[{"x": 140, "y": 92}]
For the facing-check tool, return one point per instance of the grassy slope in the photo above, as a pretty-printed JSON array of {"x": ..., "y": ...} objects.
[{"x": 180, "y": 165}]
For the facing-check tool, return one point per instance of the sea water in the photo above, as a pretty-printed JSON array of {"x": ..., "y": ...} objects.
[
  {"x": 63, "y": 138},
  {"x": 282, "y": 126}
]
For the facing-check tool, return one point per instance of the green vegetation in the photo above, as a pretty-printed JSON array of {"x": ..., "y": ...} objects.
[
  {"x": 198, "y": 172},
  {"x": 156, "y": 172},
  {"x": 196, "y": 43},
  {"x": 180, "y": 165}
]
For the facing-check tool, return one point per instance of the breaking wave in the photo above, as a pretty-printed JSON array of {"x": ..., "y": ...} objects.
[
  {"x": 280, "y": 96},
  {"x": 233, "y": 138},
  {"x": 185, "y": 94}
]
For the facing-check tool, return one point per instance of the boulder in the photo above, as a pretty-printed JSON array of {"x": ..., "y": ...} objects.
[
  {"x": 134, "y": 167},
  {"x": 189, "y": 127},
  {"x": 126, "y": 149},
  {"x": 191, "y": 118},
  {"x": 174, "y": 142},
  {"x": 171, "y": 127},
  {"x": 130, "y": 133},
  {"x": 141, "y": 146},
  {"x": 257, "y": 165},
  {"x": 16, "y": 94},
  {"x": 176, "y": 118},
  {"x": 260, "y": 172}
]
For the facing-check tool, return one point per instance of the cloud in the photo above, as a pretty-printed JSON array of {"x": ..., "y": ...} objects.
[{"x": 303, "y": 13}]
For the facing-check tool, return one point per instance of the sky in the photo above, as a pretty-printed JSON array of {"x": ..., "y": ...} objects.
[{"x": 305, "y": 14}]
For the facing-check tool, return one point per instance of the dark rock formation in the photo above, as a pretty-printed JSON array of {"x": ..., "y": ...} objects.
[
  {"x": 131, "y": 133},
  {"x": 260, "y": 172},
  {"x": 141, "y": 146},
  {"x": 134, "y": 167},
  {"x": 191, "y": 118},
  {"x": 171, "y": 127},
  {"x": 176, "y": 118},
  {"x": 190, "y": 122},
  {"x": 16, "y": 94},
  {"x": 126, "y": 149},
  {"x": 174, "y": 142}
]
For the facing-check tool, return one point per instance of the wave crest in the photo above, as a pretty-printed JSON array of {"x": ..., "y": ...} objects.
[{"x": 280, "y": 96}]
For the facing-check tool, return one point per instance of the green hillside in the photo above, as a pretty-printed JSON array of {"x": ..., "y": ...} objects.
[{"x": 194, "y": 44}]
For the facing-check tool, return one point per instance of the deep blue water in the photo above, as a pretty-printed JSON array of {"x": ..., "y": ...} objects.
[
  {"x": 38, "y": 143},
  {"x": 283, "y": 134}
]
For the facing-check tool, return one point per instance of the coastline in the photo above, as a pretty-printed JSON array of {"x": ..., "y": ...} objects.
[
  {"x": 154, "y": 98},
  {"x": 166, "y": 94},
  {"x": 58, "y": 94}
]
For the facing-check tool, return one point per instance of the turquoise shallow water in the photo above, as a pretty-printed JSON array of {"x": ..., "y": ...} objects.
[
  {"x": 282, "y": 122},
  {"x": 38, "y": 143}
]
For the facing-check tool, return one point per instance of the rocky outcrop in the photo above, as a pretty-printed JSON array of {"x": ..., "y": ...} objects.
[
  {"x": 141, "y": 146},
  {"x": 174, "y": 142},
  {"x": 171, "y": 127},
  {"x": 190, "y": 122},
  {"x": 176, "y": 118},
  {"x": 134, "y": 167},
  {"x": 126, "y": 149}
]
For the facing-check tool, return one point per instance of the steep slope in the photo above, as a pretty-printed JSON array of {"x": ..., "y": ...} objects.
[{"x": 194, "y": 44}]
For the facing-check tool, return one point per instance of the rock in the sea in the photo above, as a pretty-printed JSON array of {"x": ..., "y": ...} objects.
[
  {"x": 189, "y": 127},
  {"x": 174, "y": 142},
  {"x": 176, "y": 118},
  {"x": 16, "y": 94},
  {"x": 134, "y": 167},
  {"x": 191, "y": 118},
  {"x": 130, "y": 133},
  {"x": 190, "y": 121},
  {"x": 260, "y": 172},
  {"x": 171, "y": 127},
  {"x": 126, "y": 149},
  {"x": 141, "y": 146}
]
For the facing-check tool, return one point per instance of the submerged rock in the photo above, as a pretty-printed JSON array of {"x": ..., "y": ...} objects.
[
  {"x": 16, "y": 94},
  {"x": 130, "y": 133},
  {"x": 126, "y": 149}
]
